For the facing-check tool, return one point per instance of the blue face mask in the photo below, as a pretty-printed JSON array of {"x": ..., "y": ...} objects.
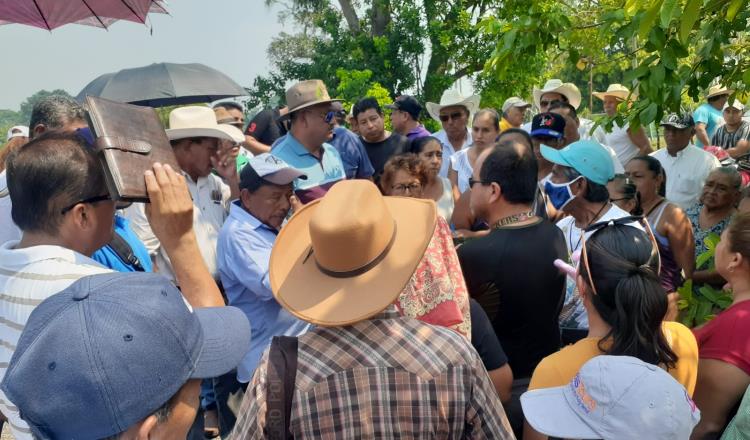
[{"x": 559, "y": 193}]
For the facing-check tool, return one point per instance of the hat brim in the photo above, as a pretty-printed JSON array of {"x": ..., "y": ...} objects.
[
  {"x": 548, "y": 412},
  {"x": 307, "y": 293},
  {"x": 621, "y": 95},
  {"x": 285, "y": 176},
  {"x": 554, "y": 156},
  {"x": 304, "y": 106},
  {"x": 471, "y": 103},
  {"x": 226, "y": 338},
  {"x": 546, "y": 132},
  {"x": 672, "y": 124},
  {"x": 719, "y": 93},
  {"x": 566, "y": 89},
  {"x": 222, "y": 131}
]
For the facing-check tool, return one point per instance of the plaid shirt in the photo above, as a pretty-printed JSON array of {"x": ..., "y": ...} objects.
[{"x": 385, "y": 377}]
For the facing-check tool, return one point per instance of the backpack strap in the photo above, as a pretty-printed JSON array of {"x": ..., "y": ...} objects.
[
  {"x": 125, "y": 252},
  {"x": 282, "y": 371}
]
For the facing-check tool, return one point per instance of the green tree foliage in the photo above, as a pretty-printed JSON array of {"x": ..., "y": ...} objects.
[{"x": 672, "y": 48}]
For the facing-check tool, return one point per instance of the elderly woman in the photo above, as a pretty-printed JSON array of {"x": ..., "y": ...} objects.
[
  {"x": 712, "y": 214},
  {"x": 724, "y": 342},
  {"x": 430, "y": 151},
  {"x": 627, "y": 143},
  {"x": 672, "y": 228}
]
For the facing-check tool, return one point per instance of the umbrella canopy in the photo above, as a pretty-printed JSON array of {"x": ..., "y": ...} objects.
[
  {"x": 51, "y": 14},
  {"x": 164, "y": 84}
]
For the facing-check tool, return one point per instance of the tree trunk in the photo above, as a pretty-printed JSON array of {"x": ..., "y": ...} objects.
[
  {"x": 381, "y": 16},
  {"x": 350, "y": 15}
]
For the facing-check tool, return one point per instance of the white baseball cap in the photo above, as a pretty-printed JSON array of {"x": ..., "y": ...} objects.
[
  {"x": 17, "y": 131},
  {"x": 612, "y": 397},
  {"x": 514, "y": 101},
  {"x": 736, "y": 104},
  {"x": 273, "y": 169}
]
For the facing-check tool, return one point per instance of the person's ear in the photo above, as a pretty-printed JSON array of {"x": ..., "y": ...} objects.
[
  {"x": 81, "y": 216},
  {"x": 245, "y": 197},
  {"x": 578, "y": 188},
  {"x": 496, "y": 192},
  {"x": 39, "y": 129}
]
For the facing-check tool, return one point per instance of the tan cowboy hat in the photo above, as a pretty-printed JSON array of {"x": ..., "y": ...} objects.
[
  {"x": 718, "y": 90},
  {"x": 568, "y": 90},
  {"x": 223, "y": 117},
  {"x": 196, "y": 121},
  {"x": 346, "y": 257},
  {"x": 306, "y": 94},
  {"x": 453, "y": 98},
  {"x": 618, "y": 91}
]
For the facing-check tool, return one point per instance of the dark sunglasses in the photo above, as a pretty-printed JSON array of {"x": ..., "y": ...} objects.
[
  {"x": 629, "y": 220},
  {"x": 451, "y": 116},
  {"x": 94, "y": 199},
  {"x": 546, "y": 103}
]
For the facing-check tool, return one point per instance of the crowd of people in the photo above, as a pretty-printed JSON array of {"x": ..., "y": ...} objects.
[{"x": 311, "y": 274}]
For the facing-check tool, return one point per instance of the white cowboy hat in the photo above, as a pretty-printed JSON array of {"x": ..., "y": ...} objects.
[
  {"x": 718, "y": 90},
  {"x": 568, "y": 90},
  {"x": 452, "y": 98},
  {"x": 618, "y": 91},
  {"x": 197, "y": 121}
]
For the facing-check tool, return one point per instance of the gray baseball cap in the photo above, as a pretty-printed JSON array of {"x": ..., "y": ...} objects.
[{"x": 614, "y": 397}]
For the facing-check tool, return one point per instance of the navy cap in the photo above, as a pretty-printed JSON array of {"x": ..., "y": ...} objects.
[
  {"x": 111, "y": 349},
  {"x": 548, "y": 124},
  {"x": 408, "y": 104}
]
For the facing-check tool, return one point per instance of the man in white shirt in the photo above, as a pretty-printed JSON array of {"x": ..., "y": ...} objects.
[
  {"x": 454, "y": 113},
  {"x": 62, "y": 206},
  {"x": 685, "y": 165},
  {"x": 195, "y": 134}
]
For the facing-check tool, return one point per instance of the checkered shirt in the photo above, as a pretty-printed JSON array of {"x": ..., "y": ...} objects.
[{"x": 385, "y": 377}]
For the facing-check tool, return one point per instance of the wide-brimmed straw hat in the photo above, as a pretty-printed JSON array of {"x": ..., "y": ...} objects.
[
  {"x": 197, "y": 121},
  {"x": 306, "y": 94},
  {"x": 346, "y": 257},
  {"x": 618, "y": 91},
  {"x": 718, "y": 90},
  {"x": 568, "y": 90},
  {"x": 453, "y": 98}
]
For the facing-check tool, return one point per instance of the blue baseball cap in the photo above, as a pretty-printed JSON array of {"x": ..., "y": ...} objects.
[
  {"x": 111, "y": 349},
  {"x": 548, "y": 124},
  {"x": 589, "y": 158}
]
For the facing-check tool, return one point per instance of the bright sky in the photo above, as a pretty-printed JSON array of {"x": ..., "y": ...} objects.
[{"x": 229, "y": 35}]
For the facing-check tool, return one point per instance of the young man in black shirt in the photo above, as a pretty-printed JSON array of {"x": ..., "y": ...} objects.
[
  {"x": 510, "y": 272},
  {"x": 380, "y": 144},
  {"x": 265, "y": 128}
]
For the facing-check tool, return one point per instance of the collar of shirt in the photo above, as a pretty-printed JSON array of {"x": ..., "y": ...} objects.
[
  {"x": 9, "y": 256},
  {"x": 300, "y": 149},
  {"x": 239, "y": 213},
  {"x": 417, "y": 130},
  {"x": 443, "y": 137}
]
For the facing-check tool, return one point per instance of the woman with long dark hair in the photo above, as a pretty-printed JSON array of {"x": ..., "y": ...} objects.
[{"x": 619, "y": 284}]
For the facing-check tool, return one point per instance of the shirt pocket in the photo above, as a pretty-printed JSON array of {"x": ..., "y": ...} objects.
[{"x": 688, "y": 185}]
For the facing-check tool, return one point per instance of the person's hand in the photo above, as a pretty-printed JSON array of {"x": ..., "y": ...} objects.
[
  {"x": 225, "y": 160},
  {"x": 672, "y": 309},
  {"x": 296, "y": 204},
  {"x": 170, "y": 211}
]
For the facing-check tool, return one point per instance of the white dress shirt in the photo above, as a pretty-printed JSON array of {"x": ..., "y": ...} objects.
[{"x": 686, "y": 173}]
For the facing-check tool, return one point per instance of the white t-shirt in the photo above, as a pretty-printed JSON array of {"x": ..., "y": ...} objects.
[
  {"x": 460, "y": 164},
  {"x": 686, "y": 172},
  {"x": 620, "y": 141},
  {"x": 27, "y": 277},
  {"x": 8, "y": 230}
]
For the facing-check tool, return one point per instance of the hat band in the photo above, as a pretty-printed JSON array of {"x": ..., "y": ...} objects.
[{"x": 361, "y": 270}]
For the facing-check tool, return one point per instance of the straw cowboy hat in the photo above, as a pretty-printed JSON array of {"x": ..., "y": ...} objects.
[
  {"x": 452, "y": 98},
  {"x": 618, "y": 91},
  {"x": 568, "y": 90},
  {"x": 306, "y": 94},
  {"x": 718, "y": 90},
  {"x": 344, "y": 258},
  {"x": 196, "y": 121}
]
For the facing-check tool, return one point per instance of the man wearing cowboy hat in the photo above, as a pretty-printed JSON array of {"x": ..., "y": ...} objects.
[
  {"x": 365, "y": 371},
  {"x": 195, "y": 137},
  {"x": 708, "y": 116},
  {"x": 305, "y": 147},
  {"x": 453, "y": 113},
  {"x": 627, "y": 143},
  {"x": 555, "y": 90}
]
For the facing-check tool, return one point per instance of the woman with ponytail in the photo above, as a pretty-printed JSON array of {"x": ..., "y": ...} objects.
[{"x": 618, "y": 280}]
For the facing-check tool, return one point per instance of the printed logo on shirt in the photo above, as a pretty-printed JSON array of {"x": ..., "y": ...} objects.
[{"x": 251, "y": 128}]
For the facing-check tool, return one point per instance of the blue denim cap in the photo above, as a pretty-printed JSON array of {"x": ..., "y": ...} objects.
[
  {"x": 111, "y": 349},
  {"x": 589, "y": 158}
]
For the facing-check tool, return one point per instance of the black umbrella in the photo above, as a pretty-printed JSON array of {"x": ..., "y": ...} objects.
[{"x": 164, "y": 84}]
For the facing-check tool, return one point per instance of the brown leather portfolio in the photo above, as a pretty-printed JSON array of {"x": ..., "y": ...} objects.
[{"x": 129, "y": 139}]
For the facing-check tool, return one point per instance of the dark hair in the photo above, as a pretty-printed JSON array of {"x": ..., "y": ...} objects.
[
  {"x": 717, "y": 97},
  {"x": 54, "y": 112},
  {"x": 365, "y": 104},
  {"x": 494, "y": 115},
  {"x": 402, "y": 162},
  {"x": 738, "y": 233},
  {"x": 49, "y": 173},
  {"x": 513, "y": 166},
  {"x": 519, "y": 131},
  {"x": 417, "y": 145},
  {"x": 250, "y": 180},
  {"x": 595, "y": 192},
  {"x": 564, "y": 105},
  {"x": 629, "y": 296},
  {"x": 653, "y": 165},
  {"x": 162, "y": 414},
  {"x": 629, "y": 192},
  {"x": 230, "y": 105}
]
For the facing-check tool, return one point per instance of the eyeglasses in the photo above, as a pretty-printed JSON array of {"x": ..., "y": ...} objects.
[
  {"x": 548, "y": 103},
  {"x": 411, "y": 187},
  {"x": 451, "y": 116},
  {"x": 629, "y": 220},
  {"x": 94, "y": 199},
  {"x": 473, "y": 182}
]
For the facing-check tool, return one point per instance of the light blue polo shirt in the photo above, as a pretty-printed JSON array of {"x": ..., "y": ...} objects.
[
  {"x": 707, "y": 114},
  {"x": 321, "y": 174}
]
